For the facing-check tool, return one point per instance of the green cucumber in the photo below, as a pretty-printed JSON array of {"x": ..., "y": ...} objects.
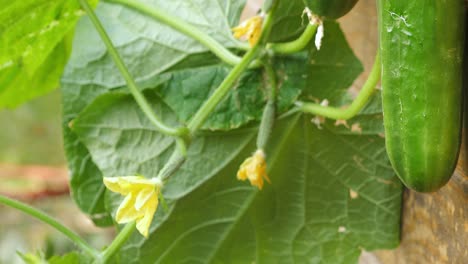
[
  {"x": 331, "y": 9},
  {"x": 421, "y": 46}
]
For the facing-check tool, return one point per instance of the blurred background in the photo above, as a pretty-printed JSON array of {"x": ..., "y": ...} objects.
[
  {"x": 33, "y": 170},
  {"x": 33, "y": 167}
]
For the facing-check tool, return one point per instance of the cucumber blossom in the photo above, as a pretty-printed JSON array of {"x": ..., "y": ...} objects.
[
  {"x": 421, "y": 46},
  {"x": 331, "y": 9}
]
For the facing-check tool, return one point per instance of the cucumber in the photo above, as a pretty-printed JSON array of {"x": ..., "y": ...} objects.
[
  {"x": 421, "y": 46},
  {"x": 331, "y": 9}
]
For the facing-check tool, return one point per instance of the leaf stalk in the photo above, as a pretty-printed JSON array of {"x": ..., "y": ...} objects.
[
  {"x": 139, "y": 97},
  {"x": 183, "y": 27},
  {"x": 52, "y": 222},
  {"x": 356, "y": 106},
  {"x": 296, "y": 45}
]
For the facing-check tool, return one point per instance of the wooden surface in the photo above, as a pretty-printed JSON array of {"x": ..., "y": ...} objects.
[{"x": 434, "y": 226}]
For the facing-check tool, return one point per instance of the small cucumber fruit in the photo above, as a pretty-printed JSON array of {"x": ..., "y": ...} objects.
[
  {"x": 421, "y": 46},
  {"x": 331, "y": 9}
]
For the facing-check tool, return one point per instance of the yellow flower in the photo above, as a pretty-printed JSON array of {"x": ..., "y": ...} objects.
[
  {"x": 250, "y": 29},
  {"x": 254, "y": 169},
  {"x": 141, "y": 199}
]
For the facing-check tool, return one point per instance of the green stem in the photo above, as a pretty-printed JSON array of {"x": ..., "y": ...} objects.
[
  {"x": 355, "y": 107},
  {"x": 272, "y": 81},
  {"x": 52, "y": 222},
  {"x": 219, "y": 50},
  {"x": 222, "y": 90},
  {"x": 139, "y": 97},
  {"x": 269, "y": 113},
  {"x": 197, "y": 121},
  {"x": 175, "y": 161},
  {"x": 209, "y": 105},
  {"x": 118, "y": 242},
  {"x": 297, "y": 44}
]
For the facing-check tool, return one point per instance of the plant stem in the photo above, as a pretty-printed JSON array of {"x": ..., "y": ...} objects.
[
  {"x": 139, "y": 97},
  {"x": 52, "y": 222},
  {"x": 297, "y": 44},
  {"x": 197, "y": 121},
  {"x": 269, "y": 113},
  {"x": 173, "y": 164},
  {"x": 219, "y": 50},
  {"x": 209, "y": 105},
  {"x": 222, "y": 90},
  {"x": 355, "y": 107},
  {"x": 118, "y": 242},
  {"x": 272, "y": 81}
]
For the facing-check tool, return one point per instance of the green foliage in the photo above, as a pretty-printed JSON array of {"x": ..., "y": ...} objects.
[
  {"x": 332, "y": 69},
  {"x": 32, "y": 258},
  {"x": 70, "y": 258},
  {"x": 333, "y": 191},
  {"x": 321, "y": 207},
  {"x": 186, "y": 90},
  {"x": 148, "y": 49},
  {"x": 34, "y": 46}
]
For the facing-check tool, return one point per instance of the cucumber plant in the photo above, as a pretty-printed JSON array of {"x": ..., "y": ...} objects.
[{"x": 162, "y": 105}]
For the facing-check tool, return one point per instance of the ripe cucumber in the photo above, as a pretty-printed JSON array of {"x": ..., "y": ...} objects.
[
  {"x": 421, "y": 46},
  {"x": 331, "y": 9}
]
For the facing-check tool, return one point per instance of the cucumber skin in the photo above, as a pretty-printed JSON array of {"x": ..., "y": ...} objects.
[
  {"x": 421, "y": 46},
  {"x": 331, "y": 9}
]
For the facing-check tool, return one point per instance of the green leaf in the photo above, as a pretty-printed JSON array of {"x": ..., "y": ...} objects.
[
  {"x": 333, "y": 192},
  {"x": 331, "y": 196},
  {"x": 332, "y": 69},
  {"x": 187, "y": 90},
  {"x": 70, "y": 258},
  {"x": 148, "y": 49},
  {"x": 33, "y": 51},
  {"x": 17, "y": 86},
  {"x": 123, "y": 142},
  {"x": 86, "y": 181},
  {"x": 32, "y": 258}
]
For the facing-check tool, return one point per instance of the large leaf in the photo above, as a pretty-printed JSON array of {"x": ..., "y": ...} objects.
[
  {"x": 331, "y": 196},
  {"x": 187, "y": 90},
  {"x": 33, "y": 51},
  {"x": 332, "y": 69},
  {"x": 122, "y": 141},
  {"x": 333, "y": 191},
  {"x": 148, "y": 48}
]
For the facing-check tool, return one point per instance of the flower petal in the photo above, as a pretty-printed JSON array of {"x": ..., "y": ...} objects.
[
  {"x": 112, "y": 183},
  {"x": 143, "y": 197},
  {"x": 127, "y": 184},
  {"x": 249, "y": 29},
  {"x": 254, "y": 168},
  {"x": 127, "y": 212},
  {"x": 144, "y": 222}
]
